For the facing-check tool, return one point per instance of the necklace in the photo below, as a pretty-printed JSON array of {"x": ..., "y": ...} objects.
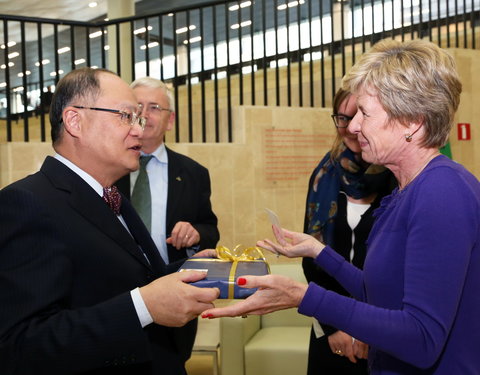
[{"x": 419, "y": 170}]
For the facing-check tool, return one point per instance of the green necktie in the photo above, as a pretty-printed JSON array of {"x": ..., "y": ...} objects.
[{"x": 141, "y": 197}]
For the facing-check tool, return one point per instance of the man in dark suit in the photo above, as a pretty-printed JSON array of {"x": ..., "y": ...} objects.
[
  {"x": 82, "y": 287},
  {"x": 179, "y": 210}
]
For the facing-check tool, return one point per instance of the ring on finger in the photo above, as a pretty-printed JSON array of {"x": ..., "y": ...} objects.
[{"x": 339, "y": 352}]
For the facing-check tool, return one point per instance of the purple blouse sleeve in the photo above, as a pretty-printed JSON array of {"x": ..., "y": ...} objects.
[{"x": 349, "y": 276}]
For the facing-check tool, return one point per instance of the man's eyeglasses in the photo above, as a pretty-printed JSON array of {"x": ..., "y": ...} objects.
[
  {"x": 341, "y": 121},
  {"x": 155, "y": 108},
  {"x": 129, "y": 118}
]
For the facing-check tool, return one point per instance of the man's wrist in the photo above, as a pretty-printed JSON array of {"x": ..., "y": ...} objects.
[{"x": 142, "y": 312}]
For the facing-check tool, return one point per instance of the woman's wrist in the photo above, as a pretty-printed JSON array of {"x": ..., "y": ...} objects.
[
  {"x": 302, "y": 289},
  {"x": 317, "y": 249}
]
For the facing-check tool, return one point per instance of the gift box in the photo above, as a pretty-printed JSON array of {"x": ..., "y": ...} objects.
[{"x": 223, "y": 272}]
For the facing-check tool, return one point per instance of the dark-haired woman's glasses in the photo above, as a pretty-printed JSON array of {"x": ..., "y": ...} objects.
[{"x": 341, "y": 121}]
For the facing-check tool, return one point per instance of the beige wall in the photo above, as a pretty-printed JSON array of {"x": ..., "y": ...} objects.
[
  {"x": 19, "y": 159},
  {"x": 269, "y": 163},
  {"x": 468, "y": 152},
  {"x": 250, "y": 175},
  {"x": 268, "y": 167}
]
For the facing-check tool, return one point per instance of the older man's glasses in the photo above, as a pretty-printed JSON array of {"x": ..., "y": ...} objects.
[
  {"x": 341, "y": 121},
  {"x": 129, "y": 118},
  {"x": 155, "y": 108}
]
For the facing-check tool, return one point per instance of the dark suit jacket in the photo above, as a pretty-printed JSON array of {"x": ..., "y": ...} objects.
[
  {"x": 188, "y": 200},
  {"x": 67, "y": 266}
]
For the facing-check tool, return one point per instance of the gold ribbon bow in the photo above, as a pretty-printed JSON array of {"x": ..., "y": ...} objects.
[
  {"x": 250, "y": 254},
  {"x": 236, "y": 255}
]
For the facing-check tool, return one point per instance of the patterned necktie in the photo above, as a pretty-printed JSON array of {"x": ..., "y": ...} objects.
[
  {"x": 113, "y": 198},
  {"x": 141, "y": 197}
]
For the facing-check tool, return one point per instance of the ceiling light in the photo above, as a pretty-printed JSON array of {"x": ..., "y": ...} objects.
[
  {"x": 13, "y": 55},
  {"x": 44, "y": 62},
  {"x": 242, "y": 5},
  {"x": 63, "y": 50},
  {"x": 3, "y": 84},
  {"x": 9, "y": 44},
  {"x": 92, "y": 4},
  {"x": 291, "y": 4},
  {"x": 53, "y": 74},
  {"x": 27, "y": 73},
  {"x": 170, "y": 14},
  {"x": 142, "y": 30},
  {"x": 10, "y": 64},
  {"x": 96, "y": 34},
  {"x": 150, "y": 45},
  {"x": 193, "y": 40},
  {"x": 79, "y": 61},
  {"x": 243, "y": 24},
  {"x": 106, "y": 48},
  {"x": 185, "y": 29}
]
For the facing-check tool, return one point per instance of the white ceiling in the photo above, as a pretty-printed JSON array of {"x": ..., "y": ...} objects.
[
  {"x": 75, "y": 10},
  {"x": 71, "y": 10}
]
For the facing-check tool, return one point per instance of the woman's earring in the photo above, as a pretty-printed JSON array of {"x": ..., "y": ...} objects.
[{"x": 408, "y": 137}]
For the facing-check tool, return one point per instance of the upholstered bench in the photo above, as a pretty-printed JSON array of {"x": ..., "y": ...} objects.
[{"x": 273, "y": 344}]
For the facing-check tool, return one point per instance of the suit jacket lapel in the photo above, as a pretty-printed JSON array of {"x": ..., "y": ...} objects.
[
  {"x": 140, "y": 232},
  {"x": 124, "y": 185},
  {"x": 91, "y": 206},
  {"x": 176, "y": 185}
]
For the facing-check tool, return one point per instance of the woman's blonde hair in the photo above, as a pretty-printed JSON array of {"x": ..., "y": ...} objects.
[{"x": 414, "y": 81}]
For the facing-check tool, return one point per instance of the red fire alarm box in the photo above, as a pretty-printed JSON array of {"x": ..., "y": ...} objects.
[{"x": 463, "y": 132}]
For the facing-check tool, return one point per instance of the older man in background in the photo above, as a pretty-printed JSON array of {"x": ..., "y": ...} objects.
[{"x": 171, "y": 191}]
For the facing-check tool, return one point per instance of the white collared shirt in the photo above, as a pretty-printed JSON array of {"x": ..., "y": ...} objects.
[
  {"x": 157, "y": 170},
  {"x": 140, "y": 307}
]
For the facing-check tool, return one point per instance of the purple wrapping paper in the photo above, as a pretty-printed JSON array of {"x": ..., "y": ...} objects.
[{"x": 219, "y": 274}]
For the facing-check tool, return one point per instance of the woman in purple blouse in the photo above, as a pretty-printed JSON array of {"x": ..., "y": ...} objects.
[{"x": 417, "y": 301}]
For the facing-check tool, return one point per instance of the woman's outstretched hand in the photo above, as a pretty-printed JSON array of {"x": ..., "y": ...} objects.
[
  {"x": 275, "y": 292},
  {"x": 292, "y": 244}
]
